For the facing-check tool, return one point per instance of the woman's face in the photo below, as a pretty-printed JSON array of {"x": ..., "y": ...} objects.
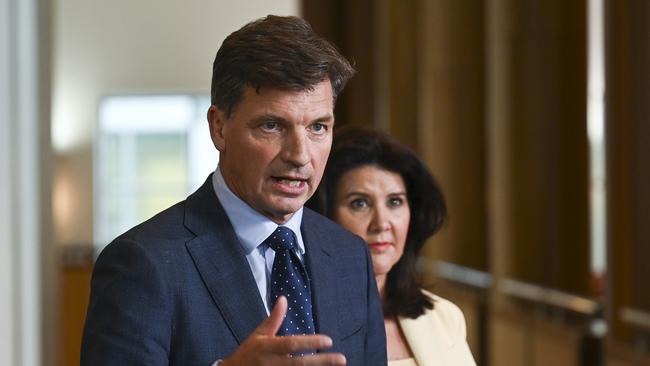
[{"x": 372, "y": 203}]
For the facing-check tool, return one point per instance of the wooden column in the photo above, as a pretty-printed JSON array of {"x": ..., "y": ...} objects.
[
  {"x": 450, "y": 128},
  {"x": 538, "y": 172},
  {"x": 352, "y": 26},
  {"x": 628, "y": 153}
]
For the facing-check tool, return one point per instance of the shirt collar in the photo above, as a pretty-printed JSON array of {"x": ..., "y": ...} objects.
[{"x": 251, "y": 227}]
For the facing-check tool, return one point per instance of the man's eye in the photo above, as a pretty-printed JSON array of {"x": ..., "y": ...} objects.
[
  {"x": 270, "y": 125},
  {"x": 319, "y": 128}
]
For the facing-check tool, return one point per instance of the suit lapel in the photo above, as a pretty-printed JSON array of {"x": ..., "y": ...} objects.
[
  {"x": 323, "y": 274},
  {"x": 221, "y": 262}
]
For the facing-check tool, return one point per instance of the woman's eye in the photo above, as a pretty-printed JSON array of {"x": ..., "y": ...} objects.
[
  {"x": 396, "y": 201},
  {"x": 359, "y": 203}
]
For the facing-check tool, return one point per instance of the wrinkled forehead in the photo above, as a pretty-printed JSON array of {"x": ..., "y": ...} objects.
[{"x": 315, "y": 104}]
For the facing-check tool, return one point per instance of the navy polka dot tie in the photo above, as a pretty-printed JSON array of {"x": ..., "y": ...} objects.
[{"x": 288, "y": 278}]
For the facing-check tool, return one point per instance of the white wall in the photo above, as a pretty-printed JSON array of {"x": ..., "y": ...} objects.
[{"x": 126, "y": 46}]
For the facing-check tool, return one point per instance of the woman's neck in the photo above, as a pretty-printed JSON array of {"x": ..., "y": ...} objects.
[{"x": 381, "y": 285}]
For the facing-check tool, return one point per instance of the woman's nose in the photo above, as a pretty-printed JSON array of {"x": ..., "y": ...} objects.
[{"x": 380, "y": 221}]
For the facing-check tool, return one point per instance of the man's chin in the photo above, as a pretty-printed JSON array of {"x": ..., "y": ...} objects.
[{"x": 281, "y": 211}]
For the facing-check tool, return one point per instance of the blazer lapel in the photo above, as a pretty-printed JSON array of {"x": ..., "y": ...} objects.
[
  {"x": 322, "y": 271},
  {"x": 222, "y": 263},
  {"x": 428, "y": 345}
]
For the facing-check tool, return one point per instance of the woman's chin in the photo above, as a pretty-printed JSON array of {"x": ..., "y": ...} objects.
[
  {"x": 383, "y": 262},
  {"x": 381, "y": 269}
]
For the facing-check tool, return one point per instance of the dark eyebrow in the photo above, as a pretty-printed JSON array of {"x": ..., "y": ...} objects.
[
  {"x": 272, "y": 117},
  {"x": 354, "y": 193},
  {"x": 324, "y": 119},
  {"x": 268, "y": 117}
]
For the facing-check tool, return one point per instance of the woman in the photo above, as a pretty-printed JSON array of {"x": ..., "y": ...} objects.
[{"x": 378, "y": 189}]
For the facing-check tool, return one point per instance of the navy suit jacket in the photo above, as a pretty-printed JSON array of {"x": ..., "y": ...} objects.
[{"x": 178, "y": 290}]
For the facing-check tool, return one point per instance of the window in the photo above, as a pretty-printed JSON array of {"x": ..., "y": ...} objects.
[{"x": 151, "y": 152}]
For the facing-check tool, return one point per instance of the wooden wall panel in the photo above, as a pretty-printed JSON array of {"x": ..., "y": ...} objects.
[
  {"x": 538, "y": 142},
  {"x": 628, "y": 152},
  {"x": 451, "y": 123},
  {"x": 351, "y": 26},
  {"x": 619, "y": 354},
  {"x": 74, "y": 294},
  {"x": 526, "y": 336}
]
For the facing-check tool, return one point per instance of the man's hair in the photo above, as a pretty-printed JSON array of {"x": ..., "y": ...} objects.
[
  {"x": 356, "y": 147},
  {"x": 275, "y": 52}
]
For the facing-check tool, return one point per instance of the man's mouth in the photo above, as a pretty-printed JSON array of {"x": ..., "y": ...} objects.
[{"x": 291, "y": 183}]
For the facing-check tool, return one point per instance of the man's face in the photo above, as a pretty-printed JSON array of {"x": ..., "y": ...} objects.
[{"x": 274, "y": 146}]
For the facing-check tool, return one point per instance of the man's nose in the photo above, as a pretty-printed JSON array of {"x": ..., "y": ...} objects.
[{"x": 296, "y": 149}]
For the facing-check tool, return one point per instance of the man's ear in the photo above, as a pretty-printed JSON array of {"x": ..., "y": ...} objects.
[{"x": 216, "y": 120}]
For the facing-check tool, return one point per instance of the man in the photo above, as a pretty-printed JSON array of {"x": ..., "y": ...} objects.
[{"x": 212, "y": 280}]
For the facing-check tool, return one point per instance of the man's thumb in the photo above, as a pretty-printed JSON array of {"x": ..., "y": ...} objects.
[{"x": 271, "y": 325}]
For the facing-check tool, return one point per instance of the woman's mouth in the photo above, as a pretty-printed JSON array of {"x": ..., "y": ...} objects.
[{"x": 379, "y": 246}]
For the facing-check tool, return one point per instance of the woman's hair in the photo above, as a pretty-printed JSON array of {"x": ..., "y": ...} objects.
[
  {"x": 275, "y": 52},
  {"x": 354, "y": 147}
]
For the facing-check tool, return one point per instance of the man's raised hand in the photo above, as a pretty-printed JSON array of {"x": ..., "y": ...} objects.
[{"x": 264, "y": 347}]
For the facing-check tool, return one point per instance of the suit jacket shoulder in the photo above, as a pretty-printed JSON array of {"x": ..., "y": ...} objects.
[
  {"x": 172, "y": 290},
  {"x": 438, "y": 337}
]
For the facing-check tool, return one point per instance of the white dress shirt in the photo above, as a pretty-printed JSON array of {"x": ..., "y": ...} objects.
[{"x": 252, "y": 228}]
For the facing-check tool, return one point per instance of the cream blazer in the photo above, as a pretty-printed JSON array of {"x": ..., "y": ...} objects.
[{"x": 438, "y": 337}]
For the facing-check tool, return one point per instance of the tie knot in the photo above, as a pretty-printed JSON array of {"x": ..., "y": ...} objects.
[{"x": 281, "y": 239}]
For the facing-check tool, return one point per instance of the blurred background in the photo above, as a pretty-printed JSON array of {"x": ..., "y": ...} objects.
[{"x": 532, "y": 114}]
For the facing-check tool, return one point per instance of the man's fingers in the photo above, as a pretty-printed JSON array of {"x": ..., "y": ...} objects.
[
  {"x": 298, "y": 343},
  {"x": 269, "y": 327},
  {"x": 286, "y": 345},
  {"x": 320, "y": 359}
]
